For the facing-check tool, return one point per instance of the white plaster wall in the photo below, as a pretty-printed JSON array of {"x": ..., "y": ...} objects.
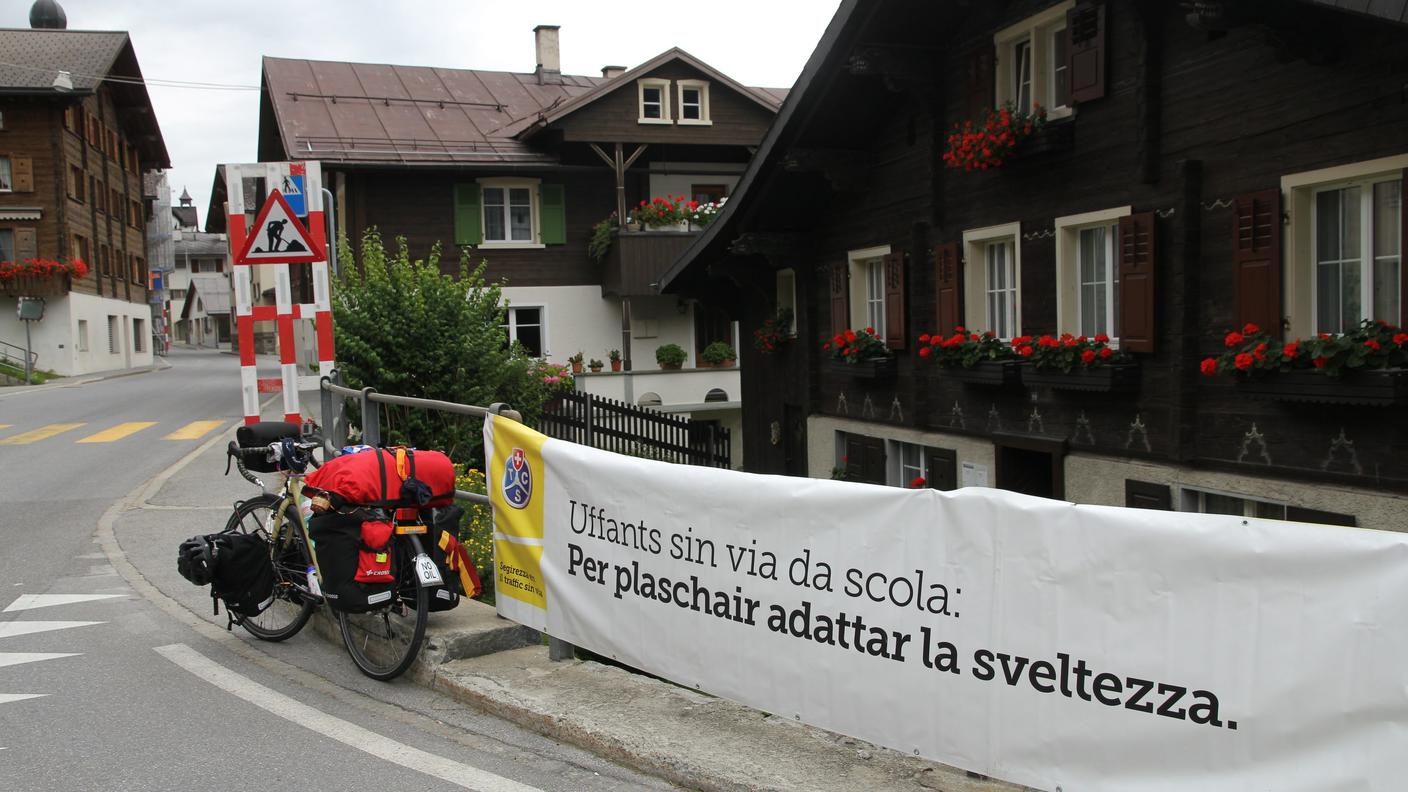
[
  {"x": 1100, "y": 480},
  {"x": 656, "y": 321},
  {"x": 55, "y": 337},
  {"x": 578, "y": 319},
  {"x": 822, "y": 453}
]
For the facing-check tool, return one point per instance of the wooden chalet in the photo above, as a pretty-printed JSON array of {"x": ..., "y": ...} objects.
[
  {"x": 77, "y": 131},
  {"x": 515, "y": 169},
  {"x": 1203, "y": 165}
]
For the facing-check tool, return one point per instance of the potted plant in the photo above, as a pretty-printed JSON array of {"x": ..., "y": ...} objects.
[
  {"x": 990, "y": 141},
  {"x": 600, "y": 243},
  {"x": 576, "y": 361},
  {"x": 972, "y": 358},
  {"x": 1367, "y": 366},
  {"x": 700, "y": 215},
  {"x": 774, "y": 333},
  {"x": 615, "y": 357},
  {"x": 1069, "y": 362},
  {"x": 595, "y": 366},
  {"x": 862, "y": 352},
  {"x": 38, "y": 277},
  {"x": 670, "y": 356},
  {"x": 663, "y": 214},
  {"x": 719, "y": 354}
]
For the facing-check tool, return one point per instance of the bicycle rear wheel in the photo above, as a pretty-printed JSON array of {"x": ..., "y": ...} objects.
[
  {"x": 291, "y": 607},
  {"x": 384, "y": 642}
]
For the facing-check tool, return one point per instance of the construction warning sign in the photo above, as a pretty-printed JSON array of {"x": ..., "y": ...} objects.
[{"x": 277, "y": 237}]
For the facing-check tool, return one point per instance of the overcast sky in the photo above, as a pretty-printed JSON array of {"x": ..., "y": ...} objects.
[{"x": 757, "y": 42}]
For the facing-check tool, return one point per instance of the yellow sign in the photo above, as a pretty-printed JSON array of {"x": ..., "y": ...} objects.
[{"x": 515, "y": 483}]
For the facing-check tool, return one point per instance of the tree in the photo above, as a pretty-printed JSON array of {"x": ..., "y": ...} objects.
[{"x": 405, "y": 328}]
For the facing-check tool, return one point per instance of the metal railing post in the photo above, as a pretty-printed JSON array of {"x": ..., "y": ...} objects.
[{"x": 371, "y": 418}]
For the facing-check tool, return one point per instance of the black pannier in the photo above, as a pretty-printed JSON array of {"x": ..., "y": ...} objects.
[
  {"x": 236, "y": 565},
  {"x": 261, "y": 435},
  {"x": 440, "y": 520},
  {"x": 338, "y": 545}
]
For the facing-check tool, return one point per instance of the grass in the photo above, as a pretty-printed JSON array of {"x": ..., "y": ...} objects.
[{"x": 39, "y": 377}]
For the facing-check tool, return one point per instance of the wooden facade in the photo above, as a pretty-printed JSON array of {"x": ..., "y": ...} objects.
[{"x": 1189, "y": 132}]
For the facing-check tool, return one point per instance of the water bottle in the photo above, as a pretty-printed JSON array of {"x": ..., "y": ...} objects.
[{"x": 313, "y": 586}]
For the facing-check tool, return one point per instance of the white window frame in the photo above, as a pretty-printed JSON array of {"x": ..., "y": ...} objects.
[
  {"x": 1368, "y": 261},
  {"x": 975, "y": 282},
  {"x": 535, "y": 206},
  {"x": 1298, "y": 192},
  {"x": 703, "y": 87},
  {"x": 664, "y": 86},
  {"x": 787, "y": 298},
  {"x": 511, "y": 323},
  {"x": 1194, "y": 499},
  {"x": 1068, "y": 268},
  {"x": 138, "y": 331},
  {"x": 1037, "y": 30},
  {"x": 862, "y": 278},
  {"x": 900, "y": 471},
  {"x": 7, "y": 174}
]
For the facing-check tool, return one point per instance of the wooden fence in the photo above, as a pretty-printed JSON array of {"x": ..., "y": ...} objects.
[{"x": 613, "y": 425}]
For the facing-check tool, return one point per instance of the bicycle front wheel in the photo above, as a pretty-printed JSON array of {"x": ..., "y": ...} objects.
[
  {"x": 384, "y": 642},
  {"x": 291, "y": 607}
]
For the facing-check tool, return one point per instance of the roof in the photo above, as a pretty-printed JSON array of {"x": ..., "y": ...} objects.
[
  {"x": 1392, "y": 10},
  {"x": 381, "y": 113},
  {"x": 30, "y": 60},
  {"x": 197, "y": 243},
  {"x": 214, "y": 291},
  {"x": 768, "y": 99},
  {"x": 186, "y": 216}
]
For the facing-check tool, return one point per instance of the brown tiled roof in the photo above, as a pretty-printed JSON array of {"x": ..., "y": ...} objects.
[
  {"x": 364, "y": 112},
  {"x": 30, "y": 59}
]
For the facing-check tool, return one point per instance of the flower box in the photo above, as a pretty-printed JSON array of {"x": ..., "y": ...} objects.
[
  {"x": 1054, "y": 136},
  {"x": 1375, "y": 388},
  {"x": 868, "y": 368},
  {"x": 34, "y": 286},
  {"x": 988, "y": 373},
  {"x": 1112, "y": 378}
]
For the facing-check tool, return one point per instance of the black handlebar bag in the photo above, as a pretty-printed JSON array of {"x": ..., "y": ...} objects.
[{"x": 261, "y": 436}]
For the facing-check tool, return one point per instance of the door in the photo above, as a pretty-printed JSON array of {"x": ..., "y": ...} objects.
[{"x": 1033, "y": 471}]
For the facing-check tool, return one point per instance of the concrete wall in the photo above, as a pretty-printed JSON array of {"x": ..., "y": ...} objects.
[
  {"x": 56, "y": 337},
  {"x": 577, "y": 317}
]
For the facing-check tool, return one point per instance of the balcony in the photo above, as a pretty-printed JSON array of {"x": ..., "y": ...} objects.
[
  {"x": 637, "y": 259},
  {"x": 34, "y": 286},
  {"x": 669, "y": 390}
]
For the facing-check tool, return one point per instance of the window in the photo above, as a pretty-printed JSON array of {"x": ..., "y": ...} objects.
[
  {"x": 1087, "y": 267},
  {"x": 104, "y": 264},
  {"x": 911, "y": 464},
  {"x": 115, "y": 204},
  {"x": 7, "y": 244},
  {"x": 134, "y": 214},
  {"x": 6, "y": 183},
  {"x": 1032, "y": 63},
  {"x": 1343, "y": 236},
  {"x": 75, "y": 183},
  {"x": 112, "y": 334},
  {"x": 181, "y": 263},
  {"x": 80, "y": 249},
  {"x": 82, "y": 335},
  {"x": 508, "y": 214},
  {"x": 526, "y": 326},
  {"x": 71, "y": 119},
  {"x": 694, "y": 102},
  {"x": 867, "y": 288},
  {"x": 992, "y": 297},
  {"x": 139, "y": 330},
  {"x": 654, "y": 101},
  {"x": 178, "y": 294},
  {"x": 708, "y": 193},
  {"x": 1208, "y": 502},
  {"x": 787, "y": 299},
  {"x": 100, "y": 195}
]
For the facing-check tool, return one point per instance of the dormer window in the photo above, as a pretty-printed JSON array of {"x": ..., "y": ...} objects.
[
  {"x": 654, "y": 101},
  {"x": 694, "y": 102}
]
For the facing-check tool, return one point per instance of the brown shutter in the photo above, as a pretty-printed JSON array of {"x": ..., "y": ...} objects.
[
  {"x": 980, "y": 85},
  {"x": 1138, "y": 276},
  {"x": 949, "y": 277},
  {"x": 942, "y": 467},
  {"x": 23, "y": 174},
  {"x": 1145, "y": 495},
  {"x": 1256, "y": 260},
  {"x": 26, "y": 244},
  {"x": 894, "y": 301},
  {"x": 840, "y": 297},
  {"x": 1085, "y": 58}
]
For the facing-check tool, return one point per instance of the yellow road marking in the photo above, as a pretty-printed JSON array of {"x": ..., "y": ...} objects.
[
  {"x": 195, "y": 430},
  {"x": 117, "y": 432},
  {"x": 42, "y": 433}
]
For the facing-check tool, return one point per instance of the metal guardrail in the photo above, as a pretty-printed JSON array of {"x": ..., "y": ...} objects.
[
  {"x": 370, "y": 401},
  {"x": 15, "y": 355}
]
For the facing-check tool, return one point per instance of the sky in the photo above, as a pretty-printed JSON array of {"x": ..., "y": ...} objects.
[{"x": 761, "y": 43}]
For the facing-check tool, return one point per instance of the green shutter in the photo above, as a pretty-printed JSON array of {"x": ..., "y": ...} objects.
[
  {"x": 554, "y": 215},
  {"x": 468, "y": 215}
]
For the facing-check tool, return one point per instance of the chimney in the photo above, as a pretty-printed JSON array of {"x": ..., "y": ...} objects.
[
  {"x": 549, "y": 69},
  {"x": 610, "y": 72}
]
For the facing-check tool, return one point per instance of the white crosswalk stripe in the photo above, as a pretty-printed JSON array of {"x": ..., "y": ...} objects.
[
  {"x": 32, "y": 601},
  {"x": 6, "y": 698},
  {"x": 16, "y": 658},
  {"x": 12, "y": 629}
]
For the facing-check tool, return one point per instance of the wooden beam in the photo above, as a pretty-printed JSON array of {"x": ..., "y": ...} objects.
[
  {"x": 846, "y": 169},
  {"x": 769, "y": 245}
]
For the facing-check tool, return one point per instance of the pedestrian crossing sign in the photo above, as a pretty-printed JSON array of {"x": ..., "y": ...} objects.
[
  {"x": 278, "y": 237},
  {"x": 291, "y": 185}
]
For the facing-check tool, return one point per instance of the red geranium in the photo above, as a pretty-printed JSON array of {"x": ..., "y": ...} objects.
[{"x": 1208, "y": 366}]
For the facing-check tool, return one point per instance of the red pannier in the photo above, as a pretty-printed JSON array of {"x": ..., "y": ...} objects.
[{"x": 388, "y": 478}]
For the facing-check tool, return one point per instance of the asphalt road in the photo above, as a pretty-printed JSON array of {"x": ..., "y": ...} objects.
[{"x": 103, "y": 686}]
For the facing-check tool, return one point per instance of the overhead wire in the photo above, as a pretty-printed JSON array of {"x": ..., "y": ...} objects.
[{"x": 153, "y": 82}]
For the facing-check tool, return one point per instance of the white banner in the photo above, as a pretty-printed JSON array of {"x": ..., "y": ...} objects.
[{"x": 1080, "y": 647}]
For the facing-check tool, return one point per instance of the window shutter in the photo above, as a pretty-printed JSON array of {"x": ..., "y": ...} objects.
[
  {"x": 840, "y": 297},
  {"x": 949, "y": 277},
  {"x": 1085, "y": 58},
  {"x": 1256, "y": 260},
  {"x": 894, "y": 301},
  {"x": 942, "y": 466},
  {"x": 553, "y": 214},
  {"x": 1403, "y": 252},
  {"x": 1138, "y": 276},
  {"x": 23, "y": 175},
  {"x": 1300, "y": 514},
  {"x": 469, "y": 217},
  {"x": 981, "y": 85},
  {"x": 26, "y": 244},
  {"x": 1144, "y": 495}
]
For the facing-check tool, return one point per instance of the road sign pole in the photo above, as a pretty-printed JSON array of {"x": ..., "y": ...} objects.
[{"x": 28, "y": 356}]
